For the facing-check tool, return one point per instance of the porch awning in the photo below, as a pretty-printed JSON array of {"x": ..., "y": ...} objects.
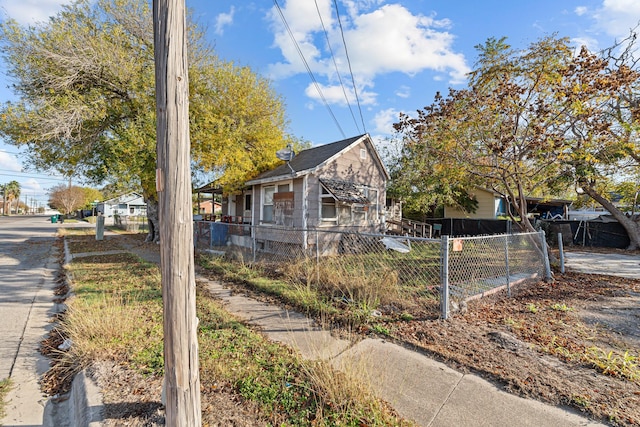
[{"x": 344, "y": 191}]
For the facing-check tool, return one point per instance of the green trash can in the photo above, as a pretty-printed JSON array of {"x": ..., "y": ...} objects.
[{"x": 54, "y": 219}]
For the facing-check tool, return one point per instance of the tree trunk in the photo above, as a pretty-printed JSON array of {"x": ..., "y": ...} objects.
[
  {"x": 173, "y": 183},
  {"x": 152, "y": 221},
  {"x": 631, "y": 225}
]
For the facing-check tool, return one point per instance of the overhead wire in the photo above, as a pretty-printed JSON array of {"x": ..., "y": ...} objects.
[
  {"x": 335, "y": 64},
  {"x": 29, "y": 175},
  {"x": 346, "y": 53},
  {"x": 311, "y": 75}
]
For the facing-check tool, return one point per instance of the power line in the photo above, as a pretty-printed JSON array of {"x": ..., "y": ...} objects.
[
  {"x": 27, "y": 175},
  {"x": 304, "y": 61},
  {"x": 346, "y": 53},
  {"x": 335, "y": 64},
  {"x": 2, "y": 150}
]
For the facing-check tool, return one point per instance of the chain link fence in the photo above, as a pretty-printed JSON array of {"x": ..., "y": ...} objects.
[
  {"x": 131, "y": 223},
  {"x": 451, "y": 270}
]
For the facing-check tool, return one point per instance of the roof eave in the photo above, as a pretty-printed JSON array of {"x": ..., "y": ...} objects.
[{"x": 278, "y": 178}]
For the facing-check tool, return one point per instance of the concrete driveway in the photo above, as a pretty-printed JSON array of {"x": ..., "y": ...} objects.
[
  {"x": 614, "y": 264},
  {"x": 27, "y": 268}
]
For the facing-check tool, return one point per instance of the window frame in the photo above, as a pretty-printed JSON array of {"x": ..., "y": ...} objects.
[
  {"x": 324, "y": 195},
  {"x": 338, "y": 219},
  {"x": 276, "y": 187}
]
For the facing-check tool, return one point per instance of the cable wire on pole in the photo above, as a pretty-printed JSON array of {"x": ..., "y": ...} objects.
[
  {"x": 346, "y": 53},
  {"x": 313, "y": 79},
  {"x": 335, "y": 64}
]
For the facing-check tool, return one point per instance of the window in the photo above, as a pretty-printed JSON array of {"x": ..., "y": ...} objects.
[
  {"x": 329, "y": 209},
  {"x": 267, "y": 200},
  {"x": 247, "y": 202},
  {"x": 363, "y": 153},
  {"x": 344, "y": 203},
  {"x": 267, "y": 203}
]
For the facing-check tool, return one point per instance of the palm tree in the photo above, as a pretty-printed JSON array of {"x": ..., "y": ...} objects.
[{"x": 11, "y": 192}]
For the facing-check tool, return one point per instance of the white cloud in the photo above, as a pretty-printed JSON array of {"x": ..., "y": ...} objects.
[
  {"x": 9, "y": 162},
  {"x": 31, "y": 186},
  {"x": 403, "y": 92},
  {"x": 380, "y": 40},
  {"x": 384, "y": 120},
  {"x": 581, "y": 10},
  {"x": 223, "y": 20},
  {"x": 31, "y": 11},
  {"x": 590, "y": 42},
  {"x": 334, "y": 94},
  {"x": 617, "y": 17}
]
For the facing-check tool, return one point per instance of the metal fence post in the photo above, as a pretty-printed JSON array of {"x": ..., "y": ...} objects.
[
  {"x": 317, "y": 257},
  {"x": 506, "y": 263},
  {"x": 545, "y": 254},
  {"x": 254, "y": 231},
  {"x": 444, "y": 277},
  {"x": 561, "y": 249}
]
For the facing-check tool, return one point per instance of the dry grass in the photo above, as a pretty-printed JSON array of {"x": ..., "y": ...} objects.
[
  {"x": 367, "y": 287},
  {"x": 5, "y": 386},
  {"x": 116, "y": 315},
  {"x": 110, "y": 328},
  {"x": 347, "y": 391}
]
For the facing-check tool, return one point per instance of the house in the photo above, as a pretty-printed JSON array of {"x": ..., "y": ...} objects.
[
  {"x": 131, "y": 204},
  {"x": 339, "y": 185},
  {"x": 336, "y": 186},
  {"x": 492, "y": 205},
  {"x": 209, "y": 207}
]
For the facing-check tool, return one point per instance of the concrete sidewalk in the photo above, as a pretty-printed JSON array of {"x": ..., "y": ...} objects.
[
  {"x": 28, "y": 266},
  {"x": 419, "y": 388}
]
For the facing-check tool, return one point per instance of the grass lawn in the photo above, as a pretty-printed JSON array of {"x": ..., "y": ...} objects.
[{"x": 116, "y": 314}]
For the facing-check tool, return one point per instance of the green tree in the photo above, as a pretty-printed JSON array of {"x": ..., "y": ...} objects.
[
  {"x": 90, "y": 196},
  {"x": 496, "y": 134},
  {"x": 600, "y": 94},
  {"x": 86, "y": 100},
  {"x": 533, "y": 122}
]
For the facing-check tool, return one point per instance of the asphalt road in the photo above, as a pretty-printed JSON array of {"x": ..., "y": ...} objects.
[{"x": 27, "y": 267}]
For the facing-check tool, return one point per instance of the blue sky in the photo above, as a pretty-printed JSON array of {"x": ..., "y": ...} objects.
[{"x": 400, "y": 53}]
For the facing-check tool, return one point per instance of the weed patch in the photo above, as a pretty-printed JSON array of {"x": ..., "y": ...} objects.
[
  {"x": 5, "y": 386},
  {"x": 115, "y": 315}
]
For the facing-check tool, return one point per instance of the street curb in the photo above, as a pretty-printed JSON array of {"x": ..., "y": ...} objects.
[
  {"x": 85, "y": 403},
  {"x": 82, "y": 406}
]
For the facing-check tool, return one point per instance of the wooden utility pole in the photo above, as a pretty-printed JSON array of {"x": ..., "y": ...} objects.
[{"x": 173, "y": 182}]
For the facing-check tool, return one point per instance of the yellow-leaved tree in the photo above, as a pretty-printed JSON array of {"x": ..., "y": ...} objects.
[{"x": 84, "y": 82}]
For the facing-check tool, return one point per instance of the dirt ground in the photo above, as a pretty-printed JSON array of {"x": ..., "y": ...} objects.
[
  {"x": 551, "y": 342},
  {"x": 574, "y": 342}
]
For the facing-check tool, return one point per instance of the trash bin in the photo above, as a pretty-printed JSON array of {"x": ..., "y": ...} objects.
[{"x": 54, "y": 219}]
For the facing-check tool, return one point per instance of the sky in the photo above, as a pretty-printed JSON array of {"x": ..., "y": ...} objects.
[{"x": 394, "y": 55}]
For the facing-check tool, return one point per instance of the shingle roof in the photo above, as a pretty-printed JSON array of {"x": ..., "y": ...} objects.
[{"x": 308, "y": 159}]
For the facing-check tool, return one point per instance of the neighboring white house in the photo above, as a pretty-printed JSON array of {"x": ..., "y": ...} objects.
[{"x": 130, "y": 204}]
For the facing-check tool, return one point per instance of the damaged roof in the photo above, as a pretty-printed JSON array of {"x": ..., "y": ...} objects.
[{"x": 344, "y": 191}]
